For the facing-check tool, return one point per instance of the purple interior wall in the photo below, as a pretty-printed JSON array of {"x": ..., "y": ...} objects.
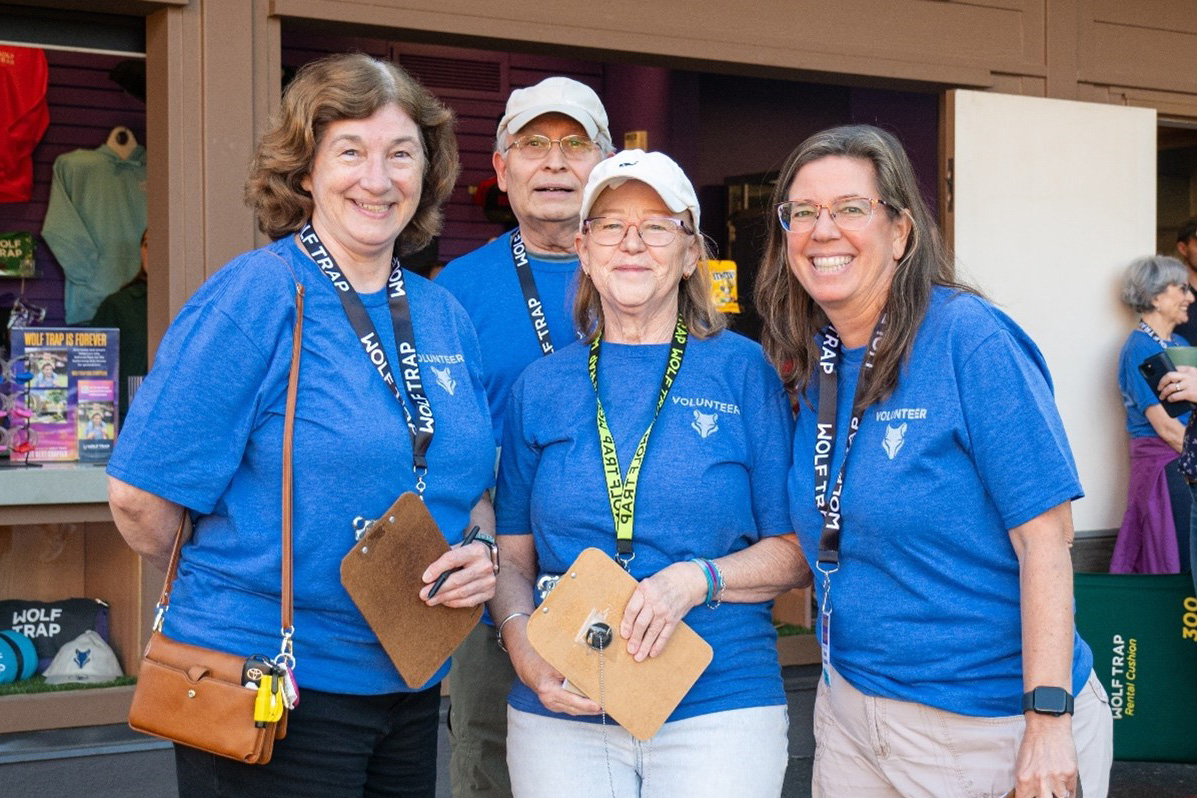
[
  {"x": 714, "y": 126},
  {"x": 84, "y": 107},
  {"x": 914, "y": 119}
]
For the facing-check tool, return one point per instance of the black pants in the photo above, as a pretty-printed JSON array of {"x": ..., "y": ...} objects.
[{"x": 337, "y": 746}]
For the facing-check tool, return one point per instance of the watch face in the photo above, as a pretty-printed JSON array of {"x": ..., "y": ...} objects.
[{"x": 1050, "y": 700}]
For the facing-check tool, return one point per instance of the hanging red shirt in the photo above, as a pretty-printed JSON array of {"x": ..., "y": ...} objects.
[{"x": 24, "y": 117}]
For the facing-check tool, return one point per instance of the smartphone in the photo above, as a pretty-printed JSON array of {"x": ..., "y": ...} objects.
[{"x": 1153, "y": 370}]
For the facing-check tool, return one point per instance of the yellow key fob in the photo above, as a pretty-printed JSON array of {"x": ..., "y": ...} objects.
[{"x": 268, "y": 705}]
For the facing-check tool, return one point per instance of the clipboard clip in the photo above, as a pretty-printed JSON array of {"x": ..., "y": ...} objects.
[
  {"x": 362, "y": 525},
  {"x": 545, "y": 584}
]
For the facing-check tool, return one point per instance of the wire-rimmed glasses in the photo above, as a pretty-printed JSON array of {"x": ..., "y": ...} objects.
[
  {"x": 536, "y": 147},
  {"x": 655, "y": 231},
  {"x": 848, "y": 213}
]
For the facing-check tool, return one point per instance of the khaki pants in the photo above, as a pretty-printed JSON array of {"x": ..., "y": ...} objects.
[
  {"x": 881, "y": 748},
  {"x": 479, "y": 681}
]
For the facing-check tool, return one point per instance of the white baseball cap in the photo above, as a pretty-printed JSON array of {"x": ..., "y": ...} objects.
[
  {"x": 656, "y": 169},
  {"x": 556, "y": 95},
  {"x": 87, "y": 658}
]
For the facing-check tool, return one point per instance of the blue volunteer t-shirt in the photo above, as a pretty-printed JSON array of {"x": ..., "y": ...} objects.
[
  {"x": 206, "y": 431},
  {"x": 970, "y": 445},
  {"x": 712, "y": 483},
  {"x": 487, "y": 286},
  {"x": 1137, "y": 395}
]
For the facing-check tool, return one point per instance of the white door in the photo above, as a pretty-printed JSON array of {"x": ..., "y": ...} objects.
[{"x": 1047, "y": 202}]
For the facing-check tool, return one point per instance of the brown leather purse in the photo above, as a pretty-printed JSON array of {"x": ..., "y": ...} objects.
[{"x": 194, "y": 695}]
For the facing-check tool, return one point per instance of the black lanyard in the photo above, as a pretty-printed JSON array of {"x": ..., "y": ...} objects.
[
  {"x": 829, "y": 540},
  {"x": 423, "y": 426},
  {"x": 532, "y": 303},
  {"x": 1152, "y": 334},
  {"x": 621, "y": 491}
]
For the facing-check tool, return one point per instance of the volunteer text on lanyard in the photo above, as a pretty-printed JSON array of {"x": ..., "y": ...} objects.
[
  {"x": 523, "y": 269},
  {"x": 1152, "y": 334},
  {"x": 622, "y": 491},
  {"x": 422, "y": 425},
  {"x": 829, "y": 541}
]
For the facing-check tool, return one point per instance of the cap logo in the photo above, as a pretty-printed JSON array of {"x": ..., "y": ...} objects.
[
  {"x": 628, "y": 163},
  {"x": 82, "y": 657}
]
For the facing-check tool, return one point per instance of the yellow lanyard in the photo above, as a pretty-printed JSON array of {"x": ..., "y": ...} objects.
[{"x": 622, "y": 490}]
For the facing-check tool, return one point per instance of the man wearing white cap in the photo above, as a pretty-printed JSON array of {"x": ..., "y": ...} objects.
[{"x": 516, "y": 291}]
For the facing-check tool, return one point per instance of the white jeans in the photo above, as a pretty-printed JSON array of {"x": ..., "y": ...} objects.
[
  {"x": 739, "y": 752},
  {"x": 869, "y": 747}
]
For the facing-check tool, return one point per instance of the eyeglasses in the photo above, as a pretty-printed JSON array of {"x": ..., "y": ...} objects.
[
  {"x": 849, "y": 213},
  {"x": 655, "y": 231},
  {"x": 20, "y": 438},
  {"x": 537, "y": 147}
]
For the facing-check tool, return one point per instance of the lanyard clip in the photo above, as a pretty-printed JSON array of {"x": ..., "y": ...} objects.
[
  {"x": 420, "y": 471},
  {"x": 623, "y": 552},
  {"x": 827, "y": 571}
]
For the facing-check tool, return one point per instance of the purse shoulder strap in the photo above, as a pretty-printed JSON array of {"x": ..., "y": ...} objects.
[{"x": 287, "y": 492}]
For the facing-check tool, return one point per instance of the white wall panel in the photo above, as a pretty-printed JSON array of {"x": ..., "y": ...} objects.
[{"x": 1053, "y": 198}]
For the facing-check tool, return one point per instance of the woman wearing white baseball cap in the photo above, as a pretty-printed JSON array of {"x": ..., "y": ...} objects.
[{"x": 698, "y": 417}]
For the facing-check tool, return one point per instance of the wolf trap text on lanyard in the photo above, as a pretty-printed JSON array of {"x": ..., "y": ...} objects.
[
  {"x": 829, "y": 540},
  {"x": 422, "y": 426},
  {"x": 621, "y": 490},
  {"x": 535, "y": 308}
]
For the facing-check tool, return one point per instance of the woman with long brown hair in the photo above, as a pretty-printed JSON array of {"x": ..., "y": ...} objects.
[{"x": 951, "y": 664}]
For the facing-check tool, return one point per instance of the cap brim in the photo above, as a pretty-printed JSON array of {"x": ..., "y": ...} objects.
[
  {"x": 672, "y": 201},
  {"x": 514, "y": 124}
]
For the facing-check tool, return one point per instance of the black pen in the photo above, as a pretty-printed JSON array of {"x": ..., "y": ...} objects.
[{"x": 440, "y": 580}]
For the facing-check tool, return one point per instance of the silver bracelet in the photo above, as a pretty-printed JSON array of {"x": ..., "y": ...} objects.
[{"x": 499, "y": 628}]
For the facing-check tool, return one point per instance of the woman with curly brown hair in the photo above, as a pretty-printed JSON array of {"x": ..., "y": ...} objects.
[{"x": 351, "y": 177}]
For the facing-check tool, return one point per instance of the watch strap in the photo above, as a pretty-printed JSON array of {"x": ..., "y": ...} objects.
[{"x": 490, "y": 543}]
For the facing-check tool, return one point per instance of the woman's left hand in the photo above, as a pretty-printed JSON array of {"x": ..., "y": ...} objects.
[
  {"x": 469, "y": 587},
  {"x": 1046, "y": 764},
  {"x": 659, "y": 603}
]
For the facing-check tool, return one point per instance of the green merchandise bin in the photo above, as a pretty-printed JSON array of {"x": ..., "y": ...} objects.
[{"x": 1143, "y": 632}]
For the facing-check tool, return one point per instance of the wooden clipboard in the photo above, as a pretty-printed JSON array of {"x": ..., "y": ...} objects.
[
  {"x": 639, "y": 695},
  {"x": 382, "y": 575}
]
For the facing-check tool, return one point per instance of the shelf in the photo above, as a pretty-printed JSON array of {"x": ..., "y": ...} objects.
[
  {"x": 67, "y": 709},
  {"x": 798, "y": 650},
  {"x": 57, "y": 541},
  {"x": 62, "y": 493}
]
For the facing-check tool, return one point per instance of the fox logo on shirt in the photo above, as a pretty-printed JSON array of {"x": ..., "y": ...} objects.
[
  {"x": 444, "y": 379},
  {"x": 705, "y": 424},
  {"x": 894, "y": 438}
]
